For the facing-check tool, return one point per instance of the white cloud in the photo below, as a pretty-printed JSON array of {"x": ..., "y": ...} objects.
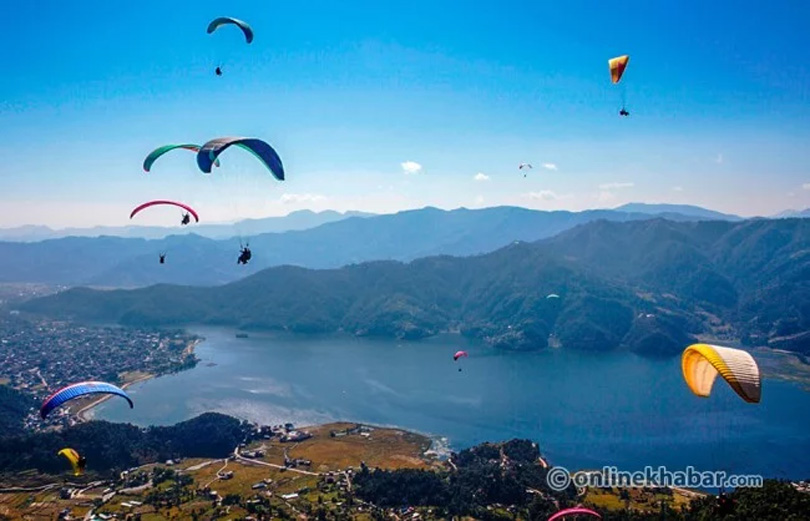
[
  {"x": 301, "y": 198},
  {"x": 806, "y": 186},
  {"x": 481, "y": 177},
  {"x": 604, "y": 197},
  {"x": 411, "y": 167},
  {"x": 677, "y": 189},
  {"x": 615, "y": 186},
  {"x": 550, "y": 166},
  {"x": 543, "y": 195}
]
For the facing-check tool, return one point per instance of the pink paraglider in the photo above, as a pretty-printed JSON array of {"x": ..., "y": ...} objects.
[{"x": 576, "y": 511}]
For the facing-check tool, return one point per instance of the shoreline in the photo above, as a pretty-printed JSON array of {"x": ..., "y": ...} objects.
[{"x": 82, "y": 414}]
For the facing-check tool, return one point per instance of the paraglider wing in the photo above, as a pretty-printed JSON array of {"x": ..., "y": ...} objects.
[
  {"x": 701, "y": 364},
  {"x": 617, "y": 66},
  {"x": 225, "y": 20},
  {"x": 162, "y": 202},
  {"x": 576, "y": 511},
  {"x": 524, "y": 165},
  {"x": 263, "y": 152},
  {"x": 79, "y": 389},
  {"x": 156, "y": 153},
  {"x": 460, "y": 354},
  {"x": 552, "y": 295},
  {"x": 76, "y": 461}
]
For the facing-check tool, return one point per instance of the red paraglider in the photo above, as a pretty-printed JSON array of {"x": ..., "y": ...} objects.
[
  {"x": 162, "y": 202},
  {"x": 460, "y": 354}
]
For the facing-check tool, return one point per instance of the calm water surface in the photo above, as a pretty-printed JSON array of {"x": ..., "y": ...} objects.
[{"x": 585, "y": 410}]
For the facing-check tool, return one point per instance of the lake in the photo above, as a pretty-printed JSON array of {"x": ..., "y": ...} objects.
[{"x": 585, "y": 410}]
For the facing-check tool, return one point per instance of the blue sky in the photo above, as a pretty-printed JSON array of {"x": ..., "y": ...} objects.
[{"x": 719, "y": 95}]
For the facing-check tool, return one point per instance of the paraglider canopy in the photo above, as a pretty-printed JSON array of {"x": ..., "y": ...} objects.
[
  {"x": 76, "y": 461},
  {"x": 576, "y": 511},
  {"x": 156, "y": 153},
  {"x": 149, "y": 204},
  {"x": 263, "y": 152},
  {"x": 80, "y": 389},
  {"x": 225, "y": 20},
  {"x": 552, "y": 295},
  {"x": 701, "y": 363},
  {"x": 617, "y": 66},
  {"x": 460, "y": 354}
]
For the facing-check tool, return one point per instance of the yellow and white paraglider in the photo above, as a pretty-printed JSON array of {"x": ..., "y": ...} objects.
[
  {"x": 76, "y": 461},
  {"x": 617, "y": 66},
  {"x": 701, "y": 363}
]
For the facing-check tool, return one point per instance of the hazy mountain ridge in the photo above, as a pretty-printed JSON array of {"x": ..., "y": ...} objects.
[
  {"x": 298, "y": 220},
  {"x": 648, "y": 286},
  {"x": 195, "y": 260}
]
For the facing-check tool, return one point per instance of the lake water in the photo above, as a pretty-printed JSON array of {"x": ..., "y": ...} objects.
[{"x": 585, "y": 410}]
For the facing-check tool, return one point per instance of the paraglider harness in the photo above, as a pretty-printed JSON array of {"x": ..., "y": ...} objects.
[
  {"x": 244, "y": 254},
  {"x": 218, "y": 71},
  {"x": 624, "y": 112},
  {"x": 186, "y": 219},
  {"x": 162, "y": 258}
]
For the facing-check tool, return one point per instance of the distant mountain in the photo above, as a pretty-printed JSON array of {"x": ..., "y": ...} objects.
[
  {"x": 665, "y": 210},
  {"x": 299, "y": 220},
  {"x": 647, "y": 286},
  {"x": 195, "y": 260},
  {"x": 787, "y": 214}
]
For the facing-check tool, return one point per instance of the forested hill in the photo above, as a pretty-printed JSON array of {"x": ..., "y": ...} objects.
[{"x": 648, "y": 286}]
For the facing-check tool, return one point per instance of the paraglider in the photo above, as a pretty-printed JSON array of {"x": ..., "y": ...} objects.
[
  {"x": 263, "y": 152},
  {"x": 156, "y": 153},
  {"x": 76, "y": 390},
  {"x": 460, "y": 354},
  {"x": 76, "y": 461},
  {"x": 226, "y": 20},
  {"x": 159, "y": 202},
  {"x": 576, "y": 511},
  {"x": 244, "y": 255},
  {"x": 186, "y": 219},
  {"x": 525, "y": 166},
  {"x": 617, "y": 67},
  {"x": 701, "y": 363},
  {"x": 162, "y": 258},
  {"x": 552, "y": 295}
]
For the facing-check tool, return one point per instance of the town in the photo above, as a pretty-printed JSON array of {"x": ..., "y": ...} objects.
[{"x": 38, "y": 356}]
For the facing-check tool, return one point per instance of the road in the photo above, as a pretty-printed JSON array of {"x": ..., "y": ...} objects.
[{"x": 273, "y": 465}]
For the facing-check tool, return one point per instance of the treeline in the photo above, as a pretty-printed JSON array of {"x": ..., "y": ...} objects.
[
  {"x": 486, "y": 475},
  {"x": 112, "y": 447},
  {"x": 501, "y": 481}
]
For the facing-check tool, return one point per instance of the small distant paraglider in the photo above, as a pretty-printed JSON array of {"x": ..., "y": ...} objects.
[
  {"x": 77, "y": 461},
  {"x": 227, "y": 20},
  {"x": 525, "y": 167},
  {"x": 617, "y": 67},
  {"x": 552, "y": 295},
  {"x": 458, "y": 355}
]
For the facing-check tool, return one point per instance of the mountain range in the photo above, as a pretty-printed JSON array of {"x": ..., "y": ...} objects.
[
  {"x": 195, "y": 260},
  {"x": 298, "y": 220},
  {"x": 650, "y": 286}
]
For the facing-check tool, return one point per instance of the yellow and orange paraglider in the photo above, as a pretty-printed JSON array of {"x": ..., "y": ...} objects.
[
  {"x": 701, "y": 363},
  {"x": 617, "y": 66},
  {"x": 76, "y": 461}
]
